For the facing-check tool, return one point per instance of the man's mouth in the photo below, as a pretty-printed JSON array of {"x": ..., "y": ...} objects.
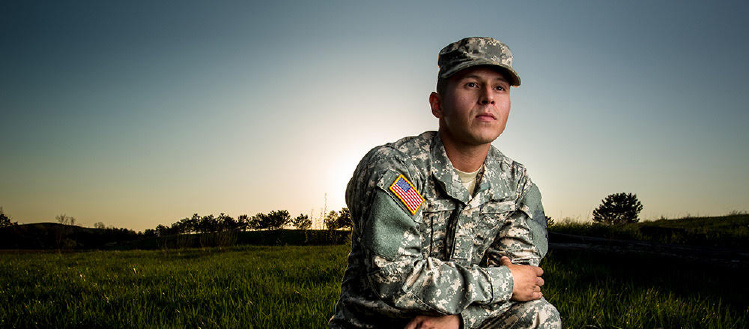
[{"x": 486, "y": 117}]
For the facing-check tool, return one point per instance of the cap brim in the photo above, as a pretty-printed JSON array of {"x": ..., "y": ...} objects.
[{"x": 510, "y": 74}]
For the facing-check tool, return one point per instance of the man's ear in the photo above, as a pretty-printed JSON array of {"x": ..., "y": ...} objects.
[{"x": 435, "y": 101}]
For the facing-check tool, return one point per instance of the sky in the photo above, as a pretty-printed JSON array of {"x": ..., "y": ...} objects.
[{"x": 139, "y": 113}]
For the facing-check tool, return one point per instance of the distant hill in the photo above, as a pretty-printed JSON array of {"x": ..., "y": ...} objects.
[
  {"x": 51, "y": 236},
  {"x": 731, "y": 231},
  {"x": 59, "y": 236}
]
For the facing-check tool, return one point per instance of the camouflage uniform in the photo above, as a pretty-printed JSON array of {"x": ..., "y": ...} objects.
[{"x": 444, "y": 257}]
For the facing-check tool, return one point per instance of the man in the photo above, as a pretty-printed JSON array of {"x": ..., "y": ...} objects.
[{"x": 448, "y": 232}]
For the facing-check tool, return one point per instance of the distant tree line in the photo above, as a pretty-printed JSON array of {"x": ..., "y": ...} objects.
[
  {"x": 274, "y": 220},
  {"x": 196, "y": 230}
]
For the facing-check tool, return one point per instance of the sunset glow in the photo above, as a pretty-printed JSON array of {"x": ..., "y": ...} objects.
[{"x": 141, "y": 113}]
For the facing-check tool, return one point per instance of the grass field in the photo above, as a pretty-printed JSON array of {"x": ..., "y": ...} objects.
[{"x": 296, "y": 287}]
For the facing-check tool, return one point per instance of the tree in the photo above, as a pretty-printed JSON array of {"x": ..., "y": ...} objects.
[
  {"x": 244, "y": 222},
  {"x": 61, "y": 234},
  {"x": 187, "y": 224},
  {"x": 274, "y": 220},
  {"x": 256, "y": 222},
  {"x": 182, "y": 226},
  {"x": 65, "y": 220},
  {"x": 278, "y": 218},
  {"x": 208, "y": 224},
  {"x": 162, "y": 230},
  {"x": 227, "y": 223},
  {"x": 5, "y": 220},
  {"x": 344, "y": 218},
  {"x": 100, "y": 225},
  {"x": 331, "y": 220},
  {"x": 337, "y": 220},
  {"x": 618, "y": 208},
  {"x": 302, "y": 222}
]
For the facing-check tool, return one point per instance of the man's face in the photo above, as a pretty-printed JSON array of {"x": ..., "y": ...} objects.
[{"x": 474, "y": 107}]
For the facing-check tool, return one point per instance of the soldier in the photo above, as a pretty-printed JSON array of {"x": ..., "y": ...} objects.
[{"x": 448, "y": 232}]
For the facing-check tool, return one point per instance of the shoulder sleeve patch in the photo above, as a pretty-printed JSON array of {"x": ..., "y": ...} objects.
[{"x": 407, "y": 193}]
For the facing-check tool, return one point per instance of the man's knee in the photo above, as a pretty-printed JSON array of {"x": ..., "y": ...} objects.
[
  {"x": 533, "y": 314},
  {"x": 537, "y": 314}
]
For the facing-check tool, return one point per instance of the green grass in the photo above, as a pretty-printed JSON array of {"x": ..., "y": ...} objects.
[
  {"x": 594, "y": 290},
  {"x": 248, "y": 287},
  {"x": 297, "y": 287}
]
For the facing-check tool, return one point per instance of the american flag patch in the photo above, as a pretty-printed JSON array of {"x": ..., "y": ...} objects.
[{"x": 406, "y": 192}]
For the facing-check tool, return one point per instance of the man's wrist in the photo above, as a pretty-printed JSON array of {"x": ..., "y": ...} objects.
[{"x": 502, "y": 284}]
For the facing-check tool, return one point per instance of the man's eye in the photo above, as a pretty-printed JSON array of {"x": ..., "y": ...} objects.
[
  {"x": 472, "y": 85},
  {"x": 500, "y": 88}
]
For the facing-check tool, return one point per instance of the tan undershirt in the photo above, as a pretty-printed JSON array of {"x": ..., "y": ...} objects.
[{"x": 469, "y": 179}]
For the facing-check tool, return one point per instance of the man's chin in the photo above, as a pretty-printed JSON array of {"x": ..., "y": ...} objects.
[
  {"x": 485, "y": 139},
  {"x": 470, "y": 139}
]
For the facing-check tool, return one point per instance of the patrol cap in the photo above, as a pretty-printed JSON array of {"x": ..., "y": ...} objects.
[{"x": 474, "y": 51}]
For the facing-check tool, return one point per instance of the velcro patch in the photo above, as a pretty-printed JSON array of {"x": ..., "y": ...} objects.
[{"x": 406, "y": 192}]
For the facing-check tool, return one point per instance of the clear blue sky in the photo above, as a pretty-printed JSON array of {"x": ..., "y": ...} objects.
[{"x": 141, "y": 113}]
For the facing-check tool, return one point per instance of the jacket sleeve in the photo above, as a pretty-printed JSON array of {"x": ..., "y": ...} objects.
[
  {"x": 523, "y": 237},
  {"x": 398, "y": 272}
]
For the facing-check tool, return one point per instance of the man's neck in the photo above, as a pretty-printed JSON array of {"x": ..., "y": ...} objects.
[{"x": 468, "y": 158}]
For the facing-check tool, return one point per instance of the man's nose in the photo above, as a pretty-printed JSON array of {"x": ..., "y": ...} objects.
[{"x": 487, "y": 96}]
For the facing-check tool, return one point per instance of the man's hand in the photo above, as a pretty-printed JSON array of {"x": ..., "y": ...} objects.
[
  {"x": 527, "y": 278},
  {"x": 434, "y": 322}
]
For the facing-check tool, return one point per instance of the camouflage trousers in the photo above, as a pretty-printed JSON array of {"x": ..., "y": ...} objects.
[{"x": 533, "y": 314}]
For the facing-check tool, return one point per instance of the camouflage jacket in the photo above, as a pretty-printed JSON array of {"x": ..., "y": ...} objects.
[{"x": 444, "y": 257}]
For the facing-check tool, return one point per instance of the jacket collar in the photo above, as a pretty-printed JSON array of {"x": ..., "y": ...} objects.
[{"x": 493, "y": 183}]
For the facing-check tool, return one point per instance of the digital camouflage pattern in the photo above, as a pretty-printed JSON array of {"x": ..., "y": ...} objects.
[
  {"x": 444, "y": 259},
  {"x": 474, "y": 51}
]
